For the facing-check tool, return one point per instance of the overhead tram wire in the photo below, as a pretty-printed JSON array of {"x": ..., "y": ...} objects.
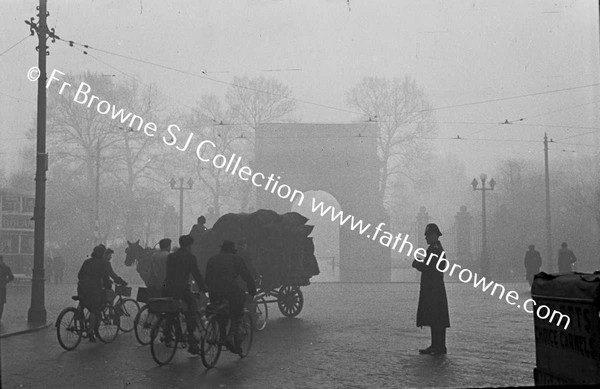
[
  {"x": 520, "y": 120},
  {"x": 319, "y": 137},
  {"x": 577, "y": 144},
  {"x": 71, "y": 44},
  {"x": 206, "y": 77},
  {"x": 142, "y": 82},
  {"x": 13, "y": 46},
  {"x": 556, "y": 111},
  {"x": 577, "y": 135}
]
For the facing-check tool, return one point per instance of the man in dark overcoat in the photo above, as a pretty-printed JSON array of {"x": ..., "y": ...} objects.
[
  {"x": 432, "y": 310},
  {"x": 222, "y": 272},
  {"x": 566, "y": 259},
  {"x": 532, "y": 262}
]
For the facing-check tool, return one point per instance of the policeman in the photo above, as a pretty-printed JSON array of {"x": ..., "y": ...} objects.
[{"x": 432, "y": 310}]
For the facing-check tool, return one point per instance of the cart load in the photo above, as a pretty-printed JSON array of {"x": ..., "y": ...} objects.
[{"x": 279, "y": 248}]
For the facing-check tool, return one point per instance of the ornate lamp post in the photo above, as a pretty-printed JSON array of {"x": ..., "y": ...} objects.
[
  {"x": 485, "y": 260},
  {"x": 181, "y": 188}
]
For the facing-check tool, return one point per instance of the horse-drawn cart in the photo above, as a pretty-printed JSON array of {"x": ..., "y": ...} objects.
[{"x": 278, "y": 249}]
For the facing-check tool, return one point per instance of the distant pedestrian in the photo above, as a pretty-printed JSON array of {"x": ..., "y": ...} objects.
[
  {"x": 566, "y": 259},
  {"x": 533, "y": 262},
  {"x": 6, "y": 276},
  {"x": 59, "y": 269},
  {"x": 432, "y": 310}
]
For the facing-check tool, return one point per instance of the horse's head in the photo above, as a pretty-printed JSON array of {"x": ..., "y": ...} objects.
[{"x": 133, "y": 252}]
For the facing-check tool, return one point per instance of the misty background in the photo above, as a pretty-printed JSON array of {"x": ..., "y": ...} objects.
[{"x": 457, "y": 88}]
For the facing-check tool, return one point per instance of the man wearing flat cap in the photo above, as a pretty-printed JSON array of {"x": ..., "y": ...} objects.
[
  {"x": 222, "y": 271},
  {"x": 432, "y": 310}
]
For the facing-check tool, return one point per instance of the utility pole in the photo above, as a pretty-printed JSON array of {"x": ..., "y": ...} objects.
[
  {"x": 181, "y": 188},
  {"x": 548, "y": 220},
  {"x": 37, "y": 311}
]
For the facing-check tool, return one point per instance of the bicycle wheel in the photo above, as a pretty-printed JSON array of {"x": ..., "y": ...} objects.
[
  {"x": 247, "y": 334},
  {"x": 163, "y": 337},
  {"x": 109, "y": 324},
  {"x": 69, "y": 328},
  {"x": 127, "y": 310},
  {"x": 210, "y": 348},
  {"x": 143, "y": 323},
  {"x": 262, "y": 314}
]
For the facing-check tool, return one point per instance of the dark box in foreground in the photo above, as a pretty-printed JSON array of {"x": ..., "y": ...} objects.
[{"x": 568, "y": 355}]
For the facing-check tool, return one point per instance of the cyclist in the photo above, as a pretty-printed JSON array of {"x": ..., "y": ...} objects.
[
  {"x": 93, "y": 274},
  {"x": 221, "y": 273},
  {"x": 180, "y": 265}
]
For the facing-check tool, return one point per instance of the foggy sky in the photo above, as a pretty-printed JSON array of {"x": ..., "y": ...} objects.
[{"x": 460, "y": 51}]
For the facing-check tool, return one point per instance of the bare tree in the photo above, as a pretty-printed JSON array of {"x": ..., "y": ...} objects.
[
  {"x": 250, "y": 102},
  {"x": 103, "y": 150},
  {"x": 404, "y": 116},
  {"x": 79, "y": 134},
  {"x": 137, "y": 160},
  {"x": 211, "y": 120},
  {"x": 259, "y": 100},
  {"x": 230, "y": 125}
]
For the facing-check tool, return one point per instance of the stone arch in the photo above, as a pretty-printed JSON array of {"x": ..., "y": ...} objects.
[
  {"x": 326, "y": 236},
  {"x": 340, "y": 159}
]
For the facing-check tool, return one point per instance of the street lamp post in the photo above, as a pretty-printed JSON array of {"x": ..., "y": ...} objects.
[
  {"x": 485, "y": 260},
  {"x": 181, "y": 188}
]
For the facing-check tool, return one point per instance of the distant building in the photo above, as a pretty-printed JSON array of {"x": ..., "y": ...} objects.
[{"x": 16, "y": 230}]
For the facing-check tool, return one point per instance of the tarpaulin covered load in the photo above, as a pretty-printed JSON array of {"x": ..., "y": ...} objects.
[
  {"x": 567, "y": 332},
  {"x": 278, "y": 245}
]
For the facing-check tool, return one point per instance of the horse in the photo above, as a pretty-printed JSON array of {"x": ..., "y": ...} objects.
[{"x": 141, "y": 255}]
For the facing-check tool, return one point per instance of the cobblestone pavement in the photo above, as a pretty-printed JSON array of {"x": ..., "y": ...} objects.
[{"x": 347, "y": 336}]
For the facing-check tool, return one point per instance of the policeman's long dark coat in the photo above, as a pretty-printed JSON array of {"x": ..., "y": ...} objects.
[{"x": 433, "y": 303}]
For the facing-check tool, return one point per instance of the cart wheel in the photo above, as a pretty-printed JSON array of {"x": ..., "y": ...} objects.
[{"x": 290, "y": 300}]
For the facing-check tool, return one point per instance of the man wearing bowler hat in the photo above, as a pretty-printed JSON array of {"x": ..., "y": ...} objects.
[
  {"x": 432, "y": 310},
  {"x": 222, "y": 271}
]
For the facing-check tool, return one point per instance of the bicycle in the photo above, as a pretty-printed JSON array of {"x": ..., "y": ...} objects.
[
  {"x": 72, "y": 324},
  {"x": 143, "y": 323},
  {"x": 211, "y": 344},
  {"x": 170, "y": 331},
  {"x": 259, "y": 310},
  {"x": 127, "y": 308},
  {"x": 144, "y": 320}
]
